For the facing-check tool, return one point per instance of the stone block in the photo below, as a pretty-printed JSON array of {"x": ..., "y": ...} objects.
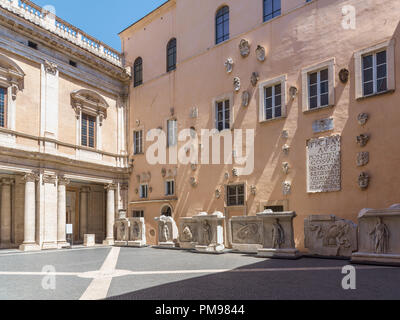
[
  {"x": 137, "y": 232},
  {"x": 167, "y": 232},
  {"x": 89, "y": 240},
  {"x": 187, "y": 233},
  {"x": 329, "y": 236},
  {"x": 210, "y": 232},
  {"x": 246, "y": 234},
  {"x": 378, "y": 236},
  {"x": 122, "y": 232}
]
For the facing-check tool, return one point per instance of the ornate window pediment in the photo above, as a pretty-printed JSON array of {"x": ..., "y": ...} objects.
[
  {"x": 89, "y": 102},
  {"x": 11, "y": 75}
]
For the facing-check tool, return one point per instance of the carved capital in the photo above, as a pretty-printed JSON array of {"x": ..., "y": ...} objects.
[
  {"x": 85, "y": 189},
  {"x": 111, "y": 187},
  {"x": 50, "y": 67},
  {"x": 63, "y": 181},
  {"x": 49, "y": 179},
  {"x": 7, "y": 181},
  {"x": 31, "y": 177}
]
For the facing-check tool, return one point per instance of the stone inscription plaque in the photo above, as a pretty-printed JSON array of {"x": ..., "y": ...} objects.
[{"x": 324, "y": 165}]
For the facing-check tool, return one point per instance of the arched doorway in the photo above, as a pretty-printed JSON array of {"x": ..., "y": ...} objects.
[{"x": 166, "y": 211}]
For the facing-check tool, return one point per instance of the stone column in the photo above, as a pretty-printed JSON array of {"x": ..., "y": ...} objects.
[
  {"x": 62, "y": 213},
  {"x": 5, "y": 239},
  {"x": 110, "y": 214},
  {"x": 83, "y": 212},
  {"x": 30, "y": 213}
]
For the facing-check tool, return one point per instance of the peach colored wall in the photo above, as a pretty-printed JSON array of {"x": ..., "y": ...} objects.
[{"x": 306, "y": 36}]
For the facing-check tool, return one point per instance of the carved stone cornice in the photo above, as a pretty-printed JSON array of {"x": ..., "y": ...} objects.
[
  {"x": 85, "y": 190},
  {"x": 90, "y": 102}
]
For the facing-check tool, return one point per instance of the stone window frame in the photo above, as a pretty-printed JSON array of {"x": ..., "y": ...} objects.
[
  {"x": 141, "y": 151},
  {"x": 244, "y": 184},
  {"x": 166, "y": 182},
  {"x": 88, "y": 116},
  {"x": 138, "y": 72},
  {"x": 89, "y": 102},
  {"x": 222, "y": 98},
  {"x": 141, "y": 195},
  {"x": 282, "y": 80},
  {"x": 273, "y": 203},
  {"x": 389, "y": 46},
  {"x": 171, "y": 52},
  {"x": 11, "y": 79},
  {"x": 329, "y": 64}
]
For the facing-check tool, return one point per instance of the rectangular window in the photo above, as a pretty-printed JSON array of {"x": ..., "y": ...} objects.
[
  {"x": 223, "y": 115},
  {"x": 272, "y": 9},
  {"x": 3, "y": 107},
  {"x": 172, "y": 127},
  {"x": 374, "y": 67},
  {"x": 236, "y": 195},
  {"x": 274, "y": 208},
  {"x": 137, "y": 214},
  {"x": 138, "y": 142},
  {"x": 318, "y": 89},
  {"x": 273, "y": 102},
  {"x": 88, "y": 131},
  {"x": 170, "y": 188},
  {"x": 144, "y": 191}
]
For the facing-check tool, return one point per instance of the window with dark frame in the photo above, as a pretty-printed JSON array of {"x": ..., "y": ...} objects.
[
  {"x": 273, "y": 102},
  {"x": 170, "y": 188},
  {"x": 137, "y": 214},
  {"x": 171, "y": 55},
  {"x": 272, "y": 9},
  {"x": 222, "y": 25},
  {"x": 138, "y": 142},
  {"x": 223, "y": 115},
  {"x": 144, "y": 191},
  {"x": 318, "y": 89},
  {"x": 88, "y": 131},
  {"x": 236, "y": 194},
  {"x": 3, "y": 107},
  {"x": 275, "y": 208},
  {"x": 374, "y": 67},
  {"x": 138, "y": 72}
]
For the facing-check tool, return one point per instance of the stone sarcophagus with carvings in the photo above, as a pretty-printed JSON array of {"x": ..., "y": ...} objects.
[
  {"x": 378, "y": 236},
  {"x": 278, "y": 235},
  {"x": 122, "y": 226},
  {"x": 246, "y": 234},
  {"x": 137, "y": 232},
  {"x": 167, "y": 232},
  {"x": 209, "y": 232},
  {"x": 329, "y": 236},
  {"x": 188, "y": 234}
]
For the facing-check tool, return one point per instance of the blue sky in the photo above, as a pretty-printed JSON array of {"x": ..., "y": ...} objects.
[{"x": 102, "y": 19}]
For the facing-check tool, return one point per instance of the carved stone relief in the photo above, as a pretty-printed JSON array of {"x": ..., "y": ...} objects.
[
  {"x": 362, "y": 119},
  {"x": 244, "y": 47},
  {"x": 245, "y": 99},
  {"x": 285, "y": 167},
  {"x": 260, "y": 53},
  {"x": 286, "y": 188},
  {"x": 323, "y": 125},
  {"x": 255, "y": 77},
  {"x": 362, "y": 159},
  {"x": 363, "y": 180},
  {"x": 362, "y": 140},
  {"x": 236, "y": 84},
  {"x": 344, "y": 75},
  {"x": 286, "y": 149},
  {"x": 229, "y": 65}
]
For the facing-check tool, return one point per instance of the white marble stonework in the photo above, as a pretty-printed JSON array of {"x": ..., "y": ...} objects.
[
  {"x": 246, "y": 234},
  {"x": 49, "y": 210},
  {"x": 122, "y": 226},
  {"x": 329, "y": 236},
  {"x": 89, "y": 240},
  {"x": 278, "y": 235},
  {"x": 137, "y": 232},
  {"x": 188, "y": 233},
  {"x": 378, "y": 236},
  {"x": 210, "y": 232},
  {"x": 168, "y": 233}
]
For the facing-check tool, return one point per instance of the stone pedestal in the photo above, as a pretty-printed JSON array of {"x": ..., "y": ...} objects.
[
  {"x": 167, "y": 232},
  {"x": 329, "y": 236},
  {"x": 378, "y": 236},
  {"x": 137, "y": 233},
  {"x": 278, "y": 235},
  {"x": 210, "y": 232},
  {"x": 122, "y": 229},
  {"x": 246, "y": 234},
  {"x": 89, "y": 240},
  {"x": 188, "y": 233}
]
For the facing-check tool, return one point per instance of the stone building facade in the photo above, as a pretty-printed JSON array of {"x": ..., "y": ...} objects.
[
  {"x": 63, "y": 151},
  {"x": 316, "y": 81}
]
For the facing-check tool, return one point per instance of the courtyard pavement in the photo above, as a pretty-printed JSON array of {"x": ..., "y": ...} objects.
[{"x": 155, "y": 274}]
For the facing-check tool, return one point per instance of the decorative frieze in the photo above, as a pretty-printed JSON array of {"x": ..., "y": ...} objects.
[
  {"x": 329, "y": 236},
  {"x": 246, "y": 234},
  {"x": 324, "y": 164},
  {"x": 377, "y": 236},
  {"x": 323, "y": 125}
]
